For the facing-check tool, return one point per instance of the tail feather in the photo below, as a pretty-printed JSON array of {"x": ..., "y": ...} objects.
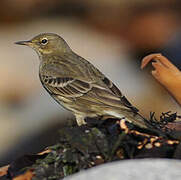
[{"x": 129, "y": 116}]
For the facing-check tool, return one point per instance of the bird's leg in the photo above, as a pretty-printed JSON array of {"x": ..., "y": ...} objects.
[{"x": 80, "y": 119}]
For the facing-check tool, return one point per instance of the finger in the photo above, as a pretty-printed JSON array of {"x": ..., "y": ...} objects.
[
  {"x": 160, "y": 72},
  {"x": 158, "y": 65},
  {"x": 155, "y": 74},
  {"x": 148, "y": 58},
  {"x": 160, "y": 69},
  {"x": 166, "y": 62}
]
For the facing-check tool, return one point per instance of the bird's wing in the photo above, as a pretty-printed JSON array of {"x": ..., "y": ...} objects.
[
  {"x": 124, "y": 101},
  {"x": 65, "y": 86},
  {"x": 71, "y": 87},
  {"x": 63, "y": 81},
  {"x": 110, "y": 90}
]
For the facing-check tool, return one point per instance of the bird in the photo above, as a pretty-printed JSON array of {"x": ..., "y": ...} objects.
[{"x": 78, "y": 85}]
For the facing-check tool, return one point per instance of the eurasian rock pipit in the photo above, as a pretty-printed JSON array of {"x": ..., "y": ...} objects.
[{"x": 76, "y": 84}]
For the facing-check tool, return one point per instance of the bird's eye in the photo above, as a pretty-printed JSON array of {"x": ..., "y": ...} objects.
[{"x": 44, "y": 41}]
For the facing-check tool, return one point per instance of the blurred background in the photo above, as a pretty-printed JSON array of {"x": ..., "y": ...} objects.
[{"x": 113, "y": 35}]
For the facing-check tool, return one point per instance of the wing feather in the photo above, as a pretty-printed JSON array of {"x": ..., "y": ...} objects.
[
  {"x": 118, "y": 93},
  {"x": 66, "y": 81},
  {"x": 66, "y": 86}
]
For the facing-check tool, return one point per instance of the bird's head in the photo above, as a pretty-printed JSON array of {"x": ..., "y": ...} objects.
[{"x": 47, "y": 43}]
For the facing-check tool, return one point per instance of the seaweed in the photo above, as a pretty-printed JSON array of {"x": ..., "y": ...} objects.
[{"x": 99, "y": 142}]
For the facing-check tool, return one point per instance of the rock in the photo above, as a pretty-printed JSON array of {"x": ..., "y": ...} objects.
[{"x": 140, "y": 169}]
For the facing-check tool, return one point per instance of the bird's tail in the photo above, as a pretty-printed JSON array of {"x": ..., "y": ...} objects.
[
  {"x": 137, "y": 119},
  {"x": 129, "y": 116}
]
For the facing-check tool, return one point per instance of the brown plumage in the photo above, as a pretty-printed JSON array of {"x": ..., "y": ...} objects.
[{"x": 76, "y": 84}]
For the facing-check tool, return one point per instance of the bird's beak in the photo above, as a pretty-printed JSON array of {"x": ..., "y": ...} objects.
[{"x": 26, "y": 43}]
